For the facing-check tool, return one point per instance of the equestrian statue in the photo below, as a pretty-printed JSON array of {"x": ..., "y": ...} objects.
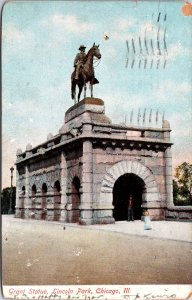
[{"x": 84, "y": 70}]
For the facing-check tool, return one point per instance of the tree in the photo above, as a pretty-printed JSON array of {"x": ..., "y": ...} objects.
[
  {"x": 5, "y": 199},
  {"x": 182, "y": 185},
  {"x": 175, "y": 189}
]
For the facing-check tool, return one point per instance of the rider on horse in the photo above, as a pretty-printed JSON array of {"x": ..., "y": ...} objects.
[
  {"x": 84, "y": 70},
  {"x": 79, "y": 61}
]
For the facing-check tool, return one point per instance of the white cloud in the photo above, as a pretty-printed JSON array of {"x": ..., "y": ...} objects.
[
  {"x": 183, "y": 88},
  {"x": 125, "y": 24},
  {"x": 122, "y": 36},
  {"x": 173, "y": 91},
  {"x": 69, "y": 22},
  {"x": 121, "y": 29},
  {"x": 176, "y": 50},
  {"x": 147, "y": 25},
  {"x": 12, "y": 35},
  {"x": 181, "y": 118},
  {"x": 33, "y": 109},
  {"x": 29, "y": 115},
  {"x": 10, "y": 32},
  {"x": 110, "y": 53},
  {"x": 16, "y": 42},
  {"x": 56, "y": 41}
]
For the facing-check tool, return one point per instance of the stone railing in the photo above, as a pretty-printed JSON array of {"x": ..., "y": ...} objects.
[{"x": 179, "y": 213}]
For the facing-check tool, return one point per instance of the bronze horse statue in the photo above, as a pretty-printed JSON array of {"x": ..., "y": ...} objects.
[{"x": 86, "y": 74}]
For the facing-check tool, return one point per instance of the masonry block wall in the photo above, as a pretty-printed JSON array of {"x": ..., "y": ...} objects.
[
  {"x": 126, "y": 161},
  {"x": 86, "y": 172}
]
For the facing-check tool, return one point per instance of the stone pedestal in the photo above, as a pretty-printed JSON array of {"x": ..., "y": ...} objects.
[{"x": 88, "y": 110}]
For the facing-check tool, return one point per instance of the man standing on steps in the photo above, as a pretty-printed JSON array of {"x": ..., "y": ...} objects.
[{"x": 130, "y": 208}]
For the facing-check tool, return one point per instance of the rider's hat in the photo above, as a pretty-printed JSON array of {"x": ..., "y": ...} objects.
[{"x": 82, "y": 47}]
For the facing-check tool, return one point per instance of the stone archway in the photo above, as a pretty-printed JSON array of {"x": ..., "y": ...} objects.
[
  {"x": 56, "y": 201},
  {"x": 22, "y": 202},
  {"x": 126, "y": 185},
  {"x": 33, "y": 198},
  {"x": 44, "y": 201},
  {"x": 126, "y": 167}
]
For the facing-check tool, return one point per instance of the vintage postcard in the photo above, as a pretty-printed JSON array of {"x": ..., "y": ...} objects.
[{"x": 96, "y": 196}]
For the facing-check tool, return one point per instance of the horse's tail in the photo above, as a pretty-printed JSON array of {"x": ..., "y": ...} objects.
[
  {"x": 95, "y": 81},
  {"x": 73, "y": 88}
]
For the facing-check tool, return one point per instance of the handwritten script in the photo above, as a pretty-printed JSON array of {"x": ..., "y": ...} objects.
[{"x": 87, "y": 294}]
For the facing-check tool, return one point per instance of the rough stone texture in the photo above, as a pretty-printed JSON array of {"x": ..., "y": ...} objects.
[
  {"x": 83, "y": 162},
  {"x": 50, "y": 136},
  {"x": 29, "y": 147},
  {"x": 126, "y": 167},
  {"x": 157, "y": 214},
  {"x": 179, "y": 213}
]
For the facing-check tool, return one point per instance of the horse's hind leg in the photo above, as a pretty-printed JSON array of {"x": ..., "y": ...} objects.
[
  {"x": 91, "y": 87},
  {"x": 73, "y": 91},
  {"x": 80, "y": 90}
]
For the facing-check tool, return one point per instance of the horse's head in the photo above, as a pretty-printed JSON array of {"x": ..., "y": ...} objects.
[{"x": 95, "y": 51}]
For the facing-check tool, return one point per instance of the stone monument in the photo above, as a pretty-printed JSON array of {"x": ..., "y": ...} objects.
[{"x": 85, "y": 172}]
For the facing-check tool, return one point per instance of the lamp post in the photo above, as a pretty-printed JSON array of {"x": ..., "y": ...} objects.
[{"x": 10, "y": 212}]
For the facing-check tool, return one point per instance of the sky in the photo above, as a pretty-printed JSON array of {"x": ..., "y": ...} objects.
[{"x": 40, "y": 40}]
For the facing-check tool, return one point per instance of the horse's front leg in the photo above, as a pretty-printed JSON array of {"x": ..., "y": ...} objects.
[
  {"x": 85, "y": 87},
  {"x": 75, "y": 99}
]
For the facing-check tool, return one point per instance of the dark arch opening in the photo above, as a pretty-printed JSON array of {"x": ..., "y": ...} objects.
[
  {"x": 44, "y": 188},
  {"x": 57, "y": 201},
  {"x": 22, "y": 200},
  {"x": 75, "y": 199},
  {"x": 44, "y": 201},
  {"x": 75, "y": 185},
  {"x": 34, "y": 190},
  {"x": 126, "y": 185},
  {"x": 23, "y": 190},
  {"x": 33, "y": 194},
  {"x": 57, "y": 187}
]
